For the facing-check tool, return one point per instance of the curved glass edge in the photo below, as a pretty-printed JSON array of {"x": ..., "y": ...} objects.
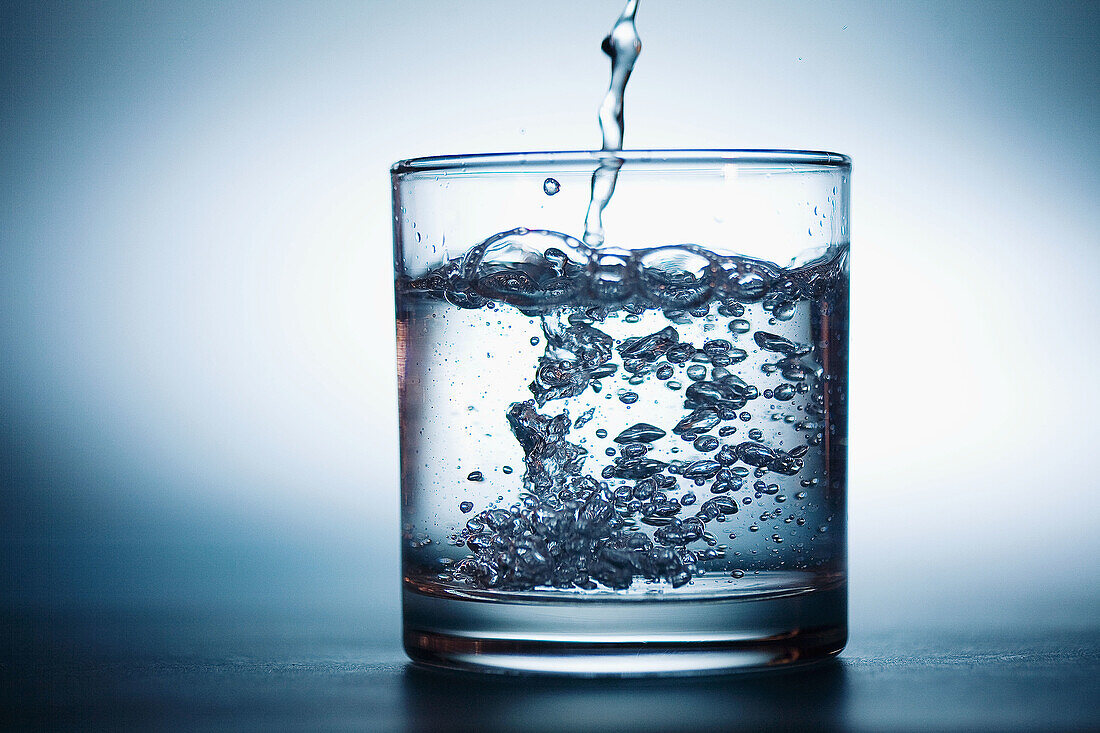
[{"x": 481, "y": 161}]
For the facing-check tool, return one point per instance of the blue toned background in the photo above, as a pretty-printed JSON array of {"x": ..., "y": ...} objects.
[{"x": 198, "y": 392}]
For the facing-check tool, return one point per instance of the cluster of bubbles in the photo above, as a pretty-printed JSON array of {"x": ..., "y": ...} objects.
[
  {"x": 570, "y": 529},
  {"x": 540, "y": 271}
]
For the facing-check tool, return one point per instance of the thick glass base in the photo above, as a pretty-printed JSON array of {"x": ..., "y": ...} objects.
[{"x": 696, "y": 634}]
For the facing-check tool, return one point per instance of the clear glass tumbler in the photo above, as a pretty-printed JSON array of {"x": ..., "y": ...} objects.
[{"x": 628, "y": 458}]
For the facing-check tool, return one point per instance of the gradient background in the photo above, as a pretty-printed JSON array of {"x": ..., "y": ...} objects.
[{"x": 198, "y": 392}]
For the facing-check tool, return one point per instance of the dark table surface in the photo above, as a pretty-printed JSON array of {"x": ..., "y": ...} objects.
[{"x": 298, "y": 669}]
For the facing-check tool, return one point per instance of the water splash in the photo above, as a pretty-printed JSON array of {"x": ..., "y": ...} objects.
[{"x": 623, "y": 45}]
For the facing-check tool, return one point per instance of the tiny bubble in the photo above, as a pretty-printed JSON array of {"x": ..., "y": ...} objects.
[{"x": 550, "y": 186}]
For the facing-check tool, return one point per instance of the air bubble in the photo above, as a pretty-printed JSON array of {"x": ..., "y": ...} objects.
[
  {"x": 706, "y": 443},
  {"x": 784, "y": 311},
  {"x": 784, "y": 392},
  {"x": 550, "y": 186},
  {"x": 637, "y": 433},
  {"x": 584, "y": 418},
  {"x": 739, "y": 326}
]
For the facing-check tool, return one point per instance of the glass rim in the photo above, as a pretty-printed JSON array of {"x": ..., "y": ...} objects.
[{"x": 809, "y": 159}]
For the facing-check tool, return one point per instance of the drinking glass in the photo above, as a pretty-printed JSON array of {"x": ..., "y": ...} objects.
[{"x": 626, "y": 458}]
